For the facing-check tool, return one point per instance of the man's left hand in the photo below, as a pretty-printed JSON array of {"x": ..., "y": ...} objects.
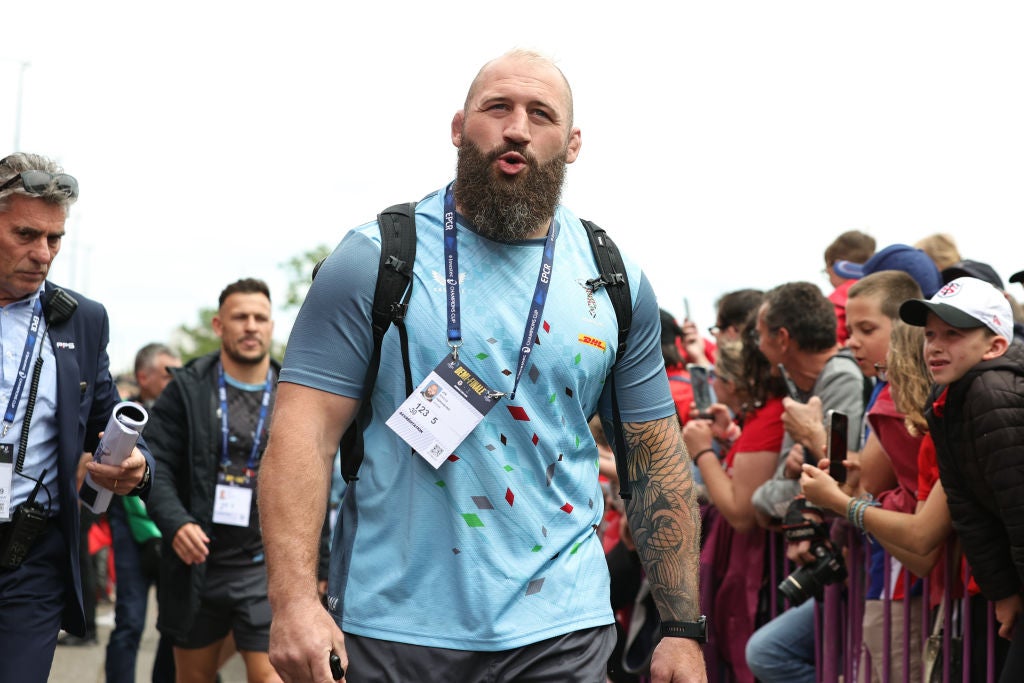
[
  {"x": 120, "y": 479},
  {"x": 805, "y": 424},
  {"x": 678, "y": 660}
]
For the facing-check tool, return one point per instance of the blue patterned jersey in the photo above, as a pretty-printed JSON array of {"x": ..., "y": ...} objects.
[{"x": 496, "y": 548}]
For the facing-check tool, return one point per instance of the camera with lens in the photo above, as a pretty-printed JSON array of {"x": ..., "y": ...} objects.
[{"x": 828, "y": 565}]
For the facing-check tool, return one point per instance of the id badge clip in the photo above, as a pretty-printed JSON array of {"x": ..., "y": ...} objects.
[{"x": 442, "y": 411}]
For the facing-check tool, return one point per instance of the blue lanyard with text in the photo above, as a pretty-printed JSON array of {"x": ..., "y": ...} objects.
[
  {"x": 222, "y": 394},
  {"x": 26, "y": 358},
  {"x": 540, "y": 293}
]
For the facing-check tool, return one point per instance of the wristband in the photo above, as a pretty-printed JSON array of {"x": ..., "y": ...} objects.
[
  {"x": 695, "y": 630},
  {"x": 696, "y": 456}
]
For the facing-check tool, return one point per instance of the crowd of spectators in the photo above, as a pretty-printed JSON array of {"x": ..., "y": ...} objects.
[{"x": 780, "y": 361}]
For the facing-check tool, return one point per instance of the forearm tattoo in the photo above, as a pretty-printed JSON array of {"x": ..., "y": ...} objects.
[{"x": 664, "y": 516}]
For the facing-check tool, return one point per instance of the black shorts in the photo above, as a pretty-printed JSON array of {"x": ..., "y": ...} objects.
[
  {"x": 233, "y": 600},
  {"x": 578, "y": 657}
]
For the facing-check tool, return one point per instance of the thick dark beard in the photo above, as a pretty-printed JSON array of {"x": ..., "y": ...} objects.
[{"x": 502, "y": 208}]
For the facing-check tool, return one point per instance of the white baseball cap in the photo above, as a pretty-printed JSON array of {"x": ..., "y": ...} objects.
[{"x": 966, "y": 303}]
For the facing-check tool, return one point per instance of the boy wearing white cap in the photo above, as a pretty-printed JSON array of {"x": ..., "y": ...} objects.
[{"x": 977, "y": 422}]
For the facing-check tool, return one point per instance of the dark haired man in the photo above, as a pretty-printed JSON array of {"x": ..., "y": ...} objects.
[
  {"x": 57, "y": 396},
  {"x": 796, "y": 329},
  {"x": 208, "y": 430}
]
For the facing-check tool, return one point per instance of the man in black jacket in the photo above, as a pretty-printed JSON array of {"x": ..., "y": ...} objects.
[
  {"x": 209, "y": 429},
  {"x": 977, "y": 423}
]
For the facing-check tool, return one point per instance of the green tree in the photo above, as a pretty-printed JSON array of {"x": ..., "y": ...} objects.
[
  {"x": 191, "y": 342},
  {"x": 300, "y": 274}
]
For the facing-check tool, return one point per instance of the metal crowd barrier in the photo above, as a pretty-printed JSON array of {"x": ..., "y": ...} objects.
[{"x": 841, "y": 655}]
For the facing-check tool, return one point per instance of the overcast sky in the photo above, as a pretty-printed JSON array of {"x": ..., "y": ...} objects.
[{"x": 725, "y": 144}]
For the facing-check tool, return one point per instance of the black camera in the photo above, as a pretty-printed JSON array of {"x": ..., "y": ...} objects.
[
  {"x": 811, "y": 579},
  {"x": 828, "y": 566}
]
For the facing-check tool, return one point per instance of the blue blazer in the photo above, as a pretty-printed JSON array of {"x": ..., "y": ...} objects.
[{"x": 86, "y": 395}]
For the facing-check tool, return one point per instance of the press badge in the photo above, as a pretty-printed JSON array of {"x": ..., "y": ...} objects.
[
  {"x": 6, "y": 480},
  {"x": 443, "y": 410},
  {"x": 232, "y": 499}
]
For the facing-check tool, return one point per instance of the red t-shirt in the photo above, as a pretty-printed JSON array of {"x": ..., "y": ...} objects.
[
  {"x": 901, "y": 447},
  {"x": 762, "y": 431},
  {"x": 682, "y": 391}
]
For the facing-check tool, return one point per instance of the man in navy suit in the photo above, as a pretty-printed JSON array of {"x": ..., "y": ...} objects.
[{"x": 56, "y": 394}]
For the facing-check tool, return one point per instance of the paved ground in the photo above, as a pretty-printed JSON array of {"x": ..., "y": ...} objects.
[{"x": 85, "y": 664}]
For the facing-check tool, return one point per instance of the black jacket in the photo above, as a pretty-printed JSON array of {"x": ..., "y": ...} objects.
[
  {"x": 979, "y": 444},
  {"x": 183, "y": 433}
]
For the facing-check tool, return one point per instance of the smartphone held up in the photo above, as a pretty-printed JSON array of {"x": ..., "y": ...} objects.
[{"x": 837, "y": 426}]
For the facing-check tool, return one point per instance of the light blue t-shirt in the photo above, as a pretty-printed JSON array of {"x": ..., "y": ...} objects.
[{"x": 497, "y": 548}]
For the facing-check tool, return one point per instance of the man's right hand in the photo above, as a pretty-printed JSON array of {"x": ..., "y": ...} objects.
[
  {"x": 302, "y": 637},
  {"x": 191, "y": 544}
]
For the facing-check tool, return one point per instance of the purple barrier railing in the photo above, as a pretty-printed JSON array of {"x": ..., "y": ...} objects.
[
  {"x": 844, "y": 615},
  {"x": 841, "y": 654}
]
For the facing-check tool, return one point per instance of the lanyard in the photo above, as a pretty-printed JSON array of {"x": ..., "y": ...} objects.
[
  {"x": 454, "y": 314},
  {"x": 222, "y": 394},
  {"x": 26, "y": 357}
]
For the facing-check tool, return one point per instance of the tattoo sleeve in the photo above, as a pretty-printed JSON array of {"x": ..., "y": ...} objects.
[{"x": 663, "y": 515}]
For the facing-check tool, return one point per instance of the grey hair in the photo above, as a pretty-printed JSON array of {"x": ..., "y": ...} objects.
[
  {"x": 18, "y": 162},
  {"x": 147, "y": 355}
]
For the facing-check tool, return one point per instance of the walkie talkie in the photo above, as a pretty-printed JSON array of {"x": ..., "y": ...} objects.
[
  {"x": 28, "y": 522},
  {"x": 60, "y": 306}
]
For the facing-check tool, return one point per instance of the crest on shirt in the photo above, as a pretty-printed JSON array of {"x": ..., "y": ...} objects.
[{"x": 590, "y": 298}]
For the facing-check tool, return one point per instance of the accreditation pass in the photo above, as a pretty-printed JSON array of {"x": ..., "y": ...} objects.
[{"x": 442, "y": 411}]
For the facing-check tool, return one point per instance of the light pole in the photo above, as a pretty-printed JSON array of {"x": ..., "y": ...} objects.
[{"x": 17, "y": 112}]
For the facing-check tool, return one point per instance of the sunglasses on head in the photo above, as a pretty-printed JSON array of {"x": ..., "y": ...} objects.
[{"x": 38, "y": 182}]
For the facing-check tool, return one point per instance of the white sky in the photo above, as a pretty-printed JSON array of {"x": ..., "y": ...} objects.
[{"x": 725, "y": 144}]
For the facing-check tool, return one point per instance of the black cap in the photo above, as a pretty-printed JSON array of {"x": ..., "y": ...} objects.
[
  {"x": 1018, "y": 277},
  {"x": 975, "y": 269}
]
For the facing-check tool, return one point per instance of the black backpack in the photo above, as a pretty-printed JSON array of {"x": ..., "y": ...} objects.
[{"x": 391, "y": 300}]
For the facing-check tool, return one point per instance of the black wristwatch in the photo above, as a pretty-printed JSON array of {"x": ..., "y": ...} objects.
[
  {"x": 695, "y": 630},
  {"x": 146, "y": 476}
]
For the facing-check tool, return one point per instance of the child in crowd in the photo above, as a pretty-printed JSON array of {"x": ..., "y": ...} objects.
[
  {"x": 918, "y": 539},
  {"x": 853, "y": 246},
  {"x": 888, "y": 463},
  {"x": 976, "y": 420}
]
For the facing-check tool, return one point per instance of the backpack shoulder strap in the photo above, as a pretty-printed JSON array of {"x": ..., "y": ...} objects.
[
  {"x": 612, "y": 276},
  {"x": 390, "y": 303}
]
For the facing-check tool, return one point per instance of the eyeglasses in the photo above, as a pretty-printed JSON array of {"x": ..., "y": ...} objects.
[
  {"x": 714, "y": 330},
  {"x": 38, "y": 182}
]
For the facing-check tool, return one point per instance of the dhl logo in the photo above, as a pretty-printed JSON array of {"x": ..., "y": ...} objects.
[{"x": 591, "y": 341}]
